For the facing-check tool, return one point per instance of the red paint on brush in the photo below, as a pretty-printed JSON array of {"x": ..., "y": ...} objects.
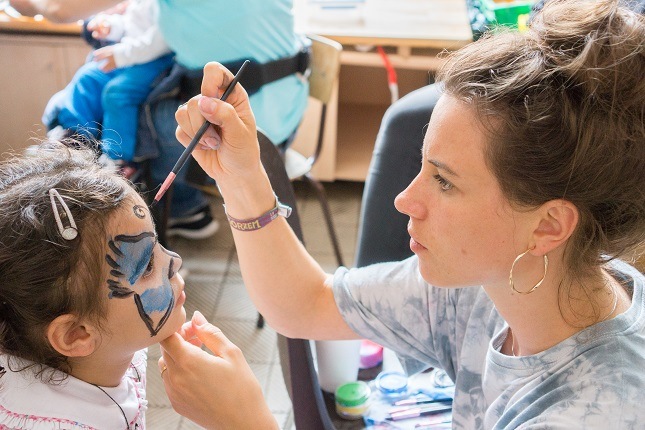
[{"x": 164, "y": 187}]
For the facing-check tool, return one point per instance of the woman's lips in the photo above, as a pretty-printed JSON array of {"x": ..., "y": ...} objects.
[{"x": 416, "y": 246}]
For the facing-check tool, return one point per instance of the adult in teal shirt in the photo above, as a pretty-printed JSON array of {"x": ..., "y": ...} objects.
[
  {"x": 210, "y": 30},
  {"x": 224, "y": 31},
  {"x": 199, "y": 32}
]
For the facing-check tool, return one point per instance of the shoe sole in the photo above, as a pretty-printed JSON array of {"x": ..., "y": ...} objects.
[
  {"x": 186, "y": 220},
  {"x": 203, "y": 233}
]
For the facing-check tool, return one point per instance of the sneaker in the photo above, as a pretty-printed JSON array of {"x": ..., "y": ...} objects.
[{"x": 200, "y": 225}]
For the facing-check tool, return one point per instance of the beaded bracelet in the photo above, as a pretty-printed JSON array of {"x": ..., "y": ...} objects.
[{"x": 259, "y": 222}]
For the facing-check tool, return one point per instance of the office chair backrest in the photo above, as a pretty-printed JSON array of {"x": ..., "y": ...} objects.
[{"x": 325, "y": 67}]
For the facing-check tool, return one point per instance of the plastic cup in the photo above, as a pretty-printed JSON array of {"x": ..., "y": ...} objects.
[{"x": 338, "y": 362}]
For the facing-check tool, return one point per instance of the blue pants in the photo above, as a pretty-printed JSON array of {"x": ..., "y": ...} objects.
[
  {"x": 186, "y": 200},
  {"x": 383, "y": 234},
  {"x": 106, "y": 105}
]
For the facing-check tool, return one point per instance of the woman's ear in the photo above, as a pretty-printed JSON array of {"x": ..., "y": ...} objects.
[
  {"x": 71, "y": 337},
  {"x": 558, "y": 221}
]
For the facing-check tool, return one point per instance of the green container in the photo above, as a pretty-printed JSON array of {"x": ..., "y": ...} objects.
[
  {"x": 352, "y": 400},
  {"x": 353, "y": 393},
  {"x": 509, "y": 13}
]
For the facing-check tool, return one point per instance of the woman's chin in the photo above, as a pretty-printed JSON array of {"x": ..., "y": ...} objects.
[{"x": 432, "y": 277}]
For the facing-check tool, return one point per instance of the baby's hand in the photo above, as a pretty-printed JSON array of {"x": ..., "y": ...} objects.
[
  {"x": 105, "y": 57},
  {"x": 99, "y": 26}
]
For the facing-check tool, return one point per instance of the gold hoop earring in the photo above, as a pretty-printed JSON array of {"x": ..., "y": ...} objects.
[{"x": 510, "y": 278}]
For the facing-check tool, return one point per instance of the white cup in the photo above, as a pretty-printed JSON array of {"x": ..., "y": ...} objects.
[{"x": 338, "y": 362}]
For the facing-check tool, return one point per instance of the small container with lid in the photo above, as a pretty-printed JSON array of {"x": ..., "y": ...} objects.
[
  {"x": 352, "y": 400},
  {"x": 392, "y": 385},
  {"x": 371, "y": 354}
]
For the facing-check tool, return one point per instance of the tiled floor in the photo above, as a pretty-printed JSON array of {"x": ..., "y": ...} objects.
[{"x": 214, "y": 286}]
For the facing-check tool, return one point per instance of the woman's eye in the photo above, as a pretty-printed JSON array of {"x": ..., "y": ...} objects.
[
  {"x": 151, "y": 266},
  {"x": 443, "y": 183}
]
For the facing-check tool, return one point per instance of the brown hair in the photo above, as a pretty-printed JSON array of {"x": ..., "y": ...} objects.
[
  {"x": 43, "y": 275},
  {"x": 565, "y": 108}
]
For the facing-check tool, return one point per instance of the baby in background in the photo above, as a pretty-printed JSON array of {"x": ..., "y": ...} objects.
[
  {"x": 86, "y": 288},
  {"x": 102, "y": 100}
]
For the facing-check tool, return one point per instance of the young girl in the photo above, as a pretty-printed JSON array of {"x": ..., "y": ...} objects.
[{"x": 85, "y": 289}]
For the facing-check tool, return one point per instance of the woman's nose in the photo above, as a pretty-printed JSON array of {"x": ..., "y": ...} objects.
[{"x": 407, "y": 201}]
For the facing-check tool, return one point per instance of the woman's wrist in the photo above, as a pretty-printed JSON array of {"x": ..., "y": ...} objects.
[{"x": 249, "y": 197}]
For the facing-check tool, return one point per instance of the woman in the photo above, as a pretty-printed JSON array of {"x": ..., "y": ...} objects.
[{"x": 533, "y": 171}]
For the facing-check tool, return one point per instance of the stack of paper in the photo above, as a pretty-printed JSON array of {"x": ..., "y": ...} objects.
[{"x": 416, "y": 17}]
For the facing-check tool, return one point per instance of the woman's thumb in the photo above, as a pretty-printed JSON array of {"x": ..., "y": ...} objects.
[
  {"x": 211, "y": 336},
  {"x": 198, "y": 319}
]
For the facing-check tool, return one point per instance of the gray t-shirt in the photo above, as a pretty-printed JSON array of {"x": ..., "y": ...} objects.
[{"x": 593, "y": 380}]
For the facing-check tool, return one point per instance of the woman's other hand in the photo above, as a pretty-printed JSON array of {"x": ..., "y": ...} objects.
[
  {"x": 216, "y": 391},
  {"x": 229, "y": 148}
]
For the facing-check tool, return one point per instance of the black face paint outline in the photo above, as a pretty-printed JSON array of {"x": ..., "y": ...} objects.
[
  {"x": 118, "y": 291},
  {"x": 139, "y": 211}
]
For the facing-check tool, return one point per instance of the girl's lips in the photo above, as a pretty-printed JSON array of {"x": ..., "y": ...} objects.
[{"x": 181, "y": 299}]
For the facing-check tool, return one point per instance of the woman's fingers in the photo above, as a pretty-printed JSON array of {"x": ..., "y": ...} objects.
[
  {"x": 216, "y": 79},
  {"x": 187, "y": 331},
  {"x": 213, "y": 338},
  {"x": 198, "y": 318},
  {"x": 228, "y": 150}
]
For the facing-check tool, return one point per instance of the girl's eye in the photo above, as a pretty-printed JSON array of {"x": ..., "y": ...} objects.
[
  {"x": 443, "y": 183},
  {"x": 151, "y": 266}
]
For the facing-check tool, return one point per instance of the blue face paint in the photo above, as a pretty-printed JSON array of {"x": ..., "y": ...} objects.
[
  {"x": 131, "y": 257},
  {"x": 136, "y": 257},
  {"x": 157, "y": 299}
]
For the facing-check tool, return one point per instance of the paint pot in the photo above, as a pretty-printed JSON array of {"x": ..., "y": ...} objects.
[
  {"x": 392, "y": 385},
  {"x": 371, "y": 354},
  {"x": 352, "y": 400}
]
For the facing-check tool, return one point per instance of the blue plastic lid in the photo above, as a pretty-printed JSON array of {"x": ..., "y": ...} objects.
[{"x": 392, "y": 382}]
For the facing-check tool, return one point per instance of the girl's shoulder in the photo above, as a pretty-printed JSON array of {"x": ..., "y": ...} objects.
[{"x": 28, "y": 402}]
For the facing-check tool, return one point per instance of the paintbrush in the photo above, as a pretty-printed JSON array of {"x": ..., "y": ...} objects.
[
  {"x": 417, "y": 411},
  {"x": 193, "y": 143}
]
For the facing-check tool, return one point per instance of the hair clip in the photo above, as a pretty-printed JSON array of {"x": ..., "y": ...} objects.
[{"x": 68, "y": 233}]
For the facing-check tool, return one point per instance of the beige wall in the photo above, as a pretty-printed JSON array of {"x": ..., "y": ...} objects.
[{"x": 32, "y": 69}]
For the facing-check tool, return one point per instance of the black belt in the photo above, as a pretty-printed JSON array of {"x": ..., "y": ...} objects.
[
  {"x": 256, "y": 74},
  {"x": 183, "y": 83}
]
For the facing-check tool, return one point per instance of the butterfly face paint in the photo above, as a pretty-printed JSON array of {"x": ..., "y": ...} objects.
[{"x": 130, "y": 259}]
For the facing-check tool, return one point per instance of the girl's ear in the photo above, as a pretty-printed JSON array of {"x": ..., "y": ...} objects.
[
  {"x": 559, "y": 219},
  {"x": 71, "y": 337}
]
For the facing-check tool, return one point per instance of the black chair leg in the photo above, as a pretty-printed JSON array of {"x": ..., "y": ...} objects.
[{"x": 322, "y": 198}]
